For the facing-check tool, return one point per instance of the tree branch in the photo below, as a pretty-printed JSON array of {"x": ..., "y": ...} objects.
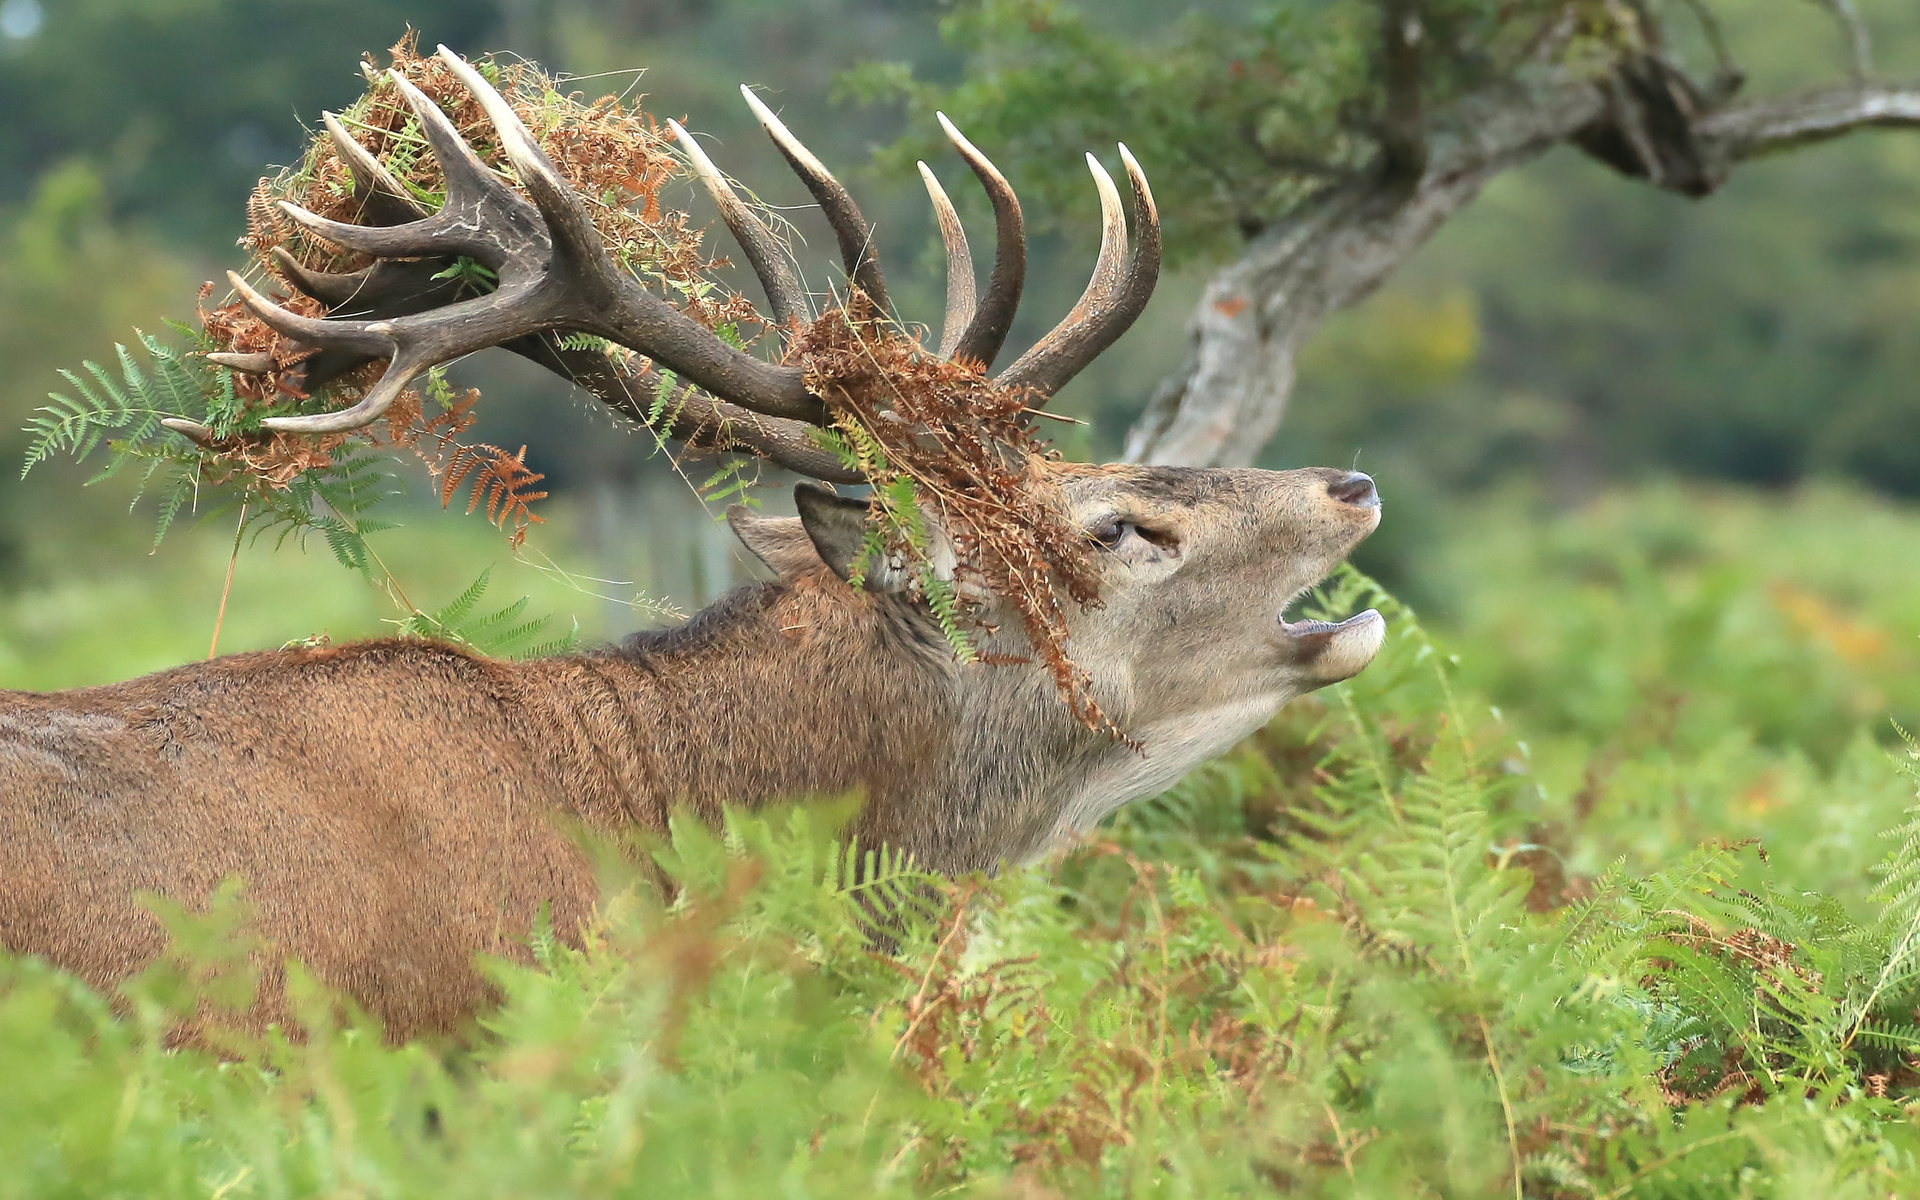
[
  {"x": 1859, "y": 38},
  {"x": 1760, "y": 127},
  {"x": 1227, "y": 399},
  {"x": 1727, "y": 75}
]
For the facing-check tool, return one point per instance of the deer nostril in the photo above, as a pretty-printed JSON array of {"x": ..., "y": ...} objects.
[{"x": 1356, "y": 489}]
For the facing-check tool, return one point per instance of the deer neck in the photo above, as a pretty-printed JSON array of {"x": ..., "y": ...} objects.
[
  {"x": 806, "y": 690},
  {"x": 777, "y": 692}
]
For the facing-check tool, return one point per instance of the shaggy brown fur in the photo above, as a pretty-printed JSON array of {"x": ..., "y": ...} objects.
[{"x": 391, "y": 805}]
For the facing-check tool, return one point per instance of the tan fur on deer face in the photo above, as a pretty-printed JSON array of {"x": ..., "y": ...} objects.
[
  {"x": 1187, "y": 648},
  {"x": 1197, "y": 566},
  {"x": 1193, "y": 648}
]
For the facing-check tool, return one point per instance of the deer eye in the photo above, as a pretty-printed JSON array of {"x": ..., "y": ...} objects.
[{"x": 1111, "y": 533}]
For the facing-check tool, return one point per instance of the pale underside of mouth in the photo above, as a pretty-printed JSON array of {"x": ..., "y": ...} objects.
[{"x": 1330, "y": 651}]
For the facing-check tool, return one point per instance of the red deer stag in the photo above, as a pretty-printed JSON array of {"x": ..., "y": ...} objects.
[{"x": 391, "y": 806}]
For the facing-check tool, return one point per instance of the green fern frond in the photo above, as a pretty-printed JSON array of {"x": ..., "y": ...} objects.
[
  {"x": 175, "y": 498},
  {"x": 501, "y": 634},
  {"x": 945, "y": 607},
  {"x": 585, "y": 341},
  {"x": 732, "y": 483},
  {"x": 126, "y": 407}
]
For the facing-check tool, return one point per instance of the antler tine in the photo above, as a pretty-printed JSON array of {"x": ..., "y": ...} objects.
[
  {"x": 258, "y": 363},
  {"x": 1032, "y": 369},
  {"x": 857, "y": 251},
  {"x": 960, "y": 283},
  {"x": 373, "y": 339},
  {"x": 1144, "y": 271},
  {"x": 381, "y": 196},
  {"x": 572, "y": 229},
  {"x": 994, "y": 317},
  {"x": 394, "y": 287},
  {"x": 785, "y": 296},
  {"x": 1113, "y": 299},
  {"x": 449, "y": 231},
  {"x": 328, "y": 287}
]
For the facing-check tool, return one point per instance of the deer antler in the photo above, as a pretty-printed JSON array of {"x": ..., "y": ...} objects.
[
  {"x": 785, "y": 297},
  {"x": 984, "y": 333},
  {"x": 1114, "y": 297},
  {"x": 555, "y": 276},
  {"x": 553, "y": 273},
  {"x": 855, "y": 236}
]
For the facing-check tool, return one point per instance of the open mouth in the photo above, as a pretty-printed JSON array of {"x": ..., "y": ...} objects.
[
  {"x": 1311, "y": 629},
  {"x": 1330, "y": 651}
]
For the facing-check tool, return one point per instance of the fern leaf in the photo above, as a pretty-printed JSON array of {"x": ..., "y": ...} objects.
[
  {"x": 463, "y": 604},
  {"x": 172, "y": 501}
]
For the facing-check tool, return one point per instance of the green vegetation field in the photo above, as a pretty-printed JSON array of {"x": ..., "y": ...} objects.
[{"x": 1595, "y": 884}]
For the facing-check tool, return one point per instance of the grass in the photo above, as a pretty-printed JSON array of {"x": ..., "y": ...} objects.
[{"x": 1479, "y": 923}]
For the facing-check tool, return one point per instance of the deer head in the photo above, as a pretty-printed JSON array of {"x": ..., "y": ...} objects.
[{"x": 1149, "y": 597}]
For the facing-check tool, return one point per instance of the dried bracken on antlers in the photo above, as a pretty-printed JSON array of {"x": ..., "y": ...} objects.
[
  {"x": 553, "y": 275},
  {"x": 498, "y": 237},
  {"x": 968, "y": 446},
  {"x": 613, "y": 160}
]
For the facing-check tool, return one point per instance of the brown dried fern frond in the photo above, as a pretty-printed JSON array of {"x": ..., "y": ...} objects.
[
  {"x": 969, "y": 447},
  {"x": 503, "y": 479}
]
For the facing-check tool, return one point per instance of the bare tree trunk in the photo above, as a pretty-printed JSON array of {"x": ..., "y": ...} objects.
[{"x": 1225, "y": 402}]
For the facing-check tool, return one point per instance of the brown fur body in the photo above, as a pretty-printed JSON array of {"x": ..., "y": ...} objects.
[{"x": 394, "y": 808}]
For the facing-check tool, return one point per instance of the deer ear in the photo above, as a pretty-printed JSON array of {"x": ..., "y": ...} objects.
[
  {"x": 837, "y": 526},
  {"x": 779, "y": 542}
]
